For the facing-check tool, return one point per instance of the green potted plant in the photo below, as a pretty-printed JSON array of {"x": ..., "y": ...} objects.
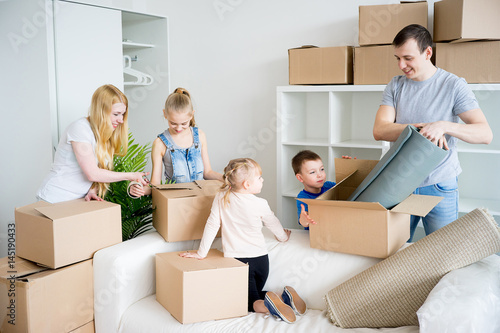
[{"x": 136, "y": 213}]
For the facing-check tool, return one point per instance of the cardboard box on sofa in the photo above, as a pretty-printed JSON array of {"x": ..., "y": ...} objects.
[
  {"x": 379, "y": 24},
  {"x": 56, "y": 235},
  {"x": 195, "y": 290},
  {"x": 180, "y": 211},
  {"x": 463, "y": 20},
  {"x": 36, "y": 299},
  {"x": 476, "y": 62},
  {"x": 320, "y": 65},
  {"x": 375, "y": 64},
  {"x": 362, "y": 228}
]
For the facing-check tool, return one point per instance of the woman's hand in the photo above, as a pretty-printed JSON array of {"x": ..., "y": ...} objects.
[
  {"x": 92, "y": 195},
  {"x": 139, "y": 177},
  {"x": 191, "y": 255}
]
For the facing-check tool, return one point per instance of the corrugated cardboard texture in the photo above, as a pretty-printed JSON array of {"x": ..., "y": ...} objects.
[
  {"x": 60, "y": 234},
  {"x": 195, "y": 290},
  {"x": 465, "y": 20},
  {"x": 48, "y": 300},
  {"x": 476, "y": 62},
  {"x": 320, "y": 65},
  {"x": 375, "y": 64},
  {"x": 362, "y": 228},
  {"x": 379, "y": 24},
  {"x": 180, "y": 211}
]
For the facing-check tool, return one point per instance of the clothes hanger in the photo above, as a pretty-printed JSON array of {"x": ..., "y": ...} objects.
[{"x": 141, "y": 79}]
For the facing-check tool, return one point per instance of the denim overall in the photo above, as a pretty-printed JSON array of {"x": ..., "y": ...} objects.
[{"x": 187, "y": 163}]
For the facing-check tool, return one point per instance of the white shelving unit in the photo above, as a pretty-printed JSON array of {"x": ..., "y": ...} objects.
[{"x": 338, "y": 120}]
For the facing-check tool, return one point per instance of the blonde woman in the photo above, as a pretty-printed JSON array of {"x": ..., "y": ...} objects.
[{"x": 83, "y": 162}]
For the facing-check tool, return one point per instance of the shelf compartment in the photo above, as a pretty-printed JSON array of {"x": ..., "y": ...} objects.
[{"x": 304, "y": 117}]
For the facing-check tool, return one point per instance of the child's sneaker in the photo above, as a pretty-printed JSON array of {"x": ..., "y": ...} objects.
[
  {"x": 292, "y": 299},
  {"x": 279, "y": 309}
]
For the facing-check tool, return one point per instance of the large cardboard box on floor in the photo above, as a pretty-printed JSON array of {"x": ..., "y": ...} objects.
[
  {"x": 379, "y": 24},
  {"x": 35, "y": 299},
  {"x": 375, "y": 64},
  {"x": 476, "y": 62},
  {"x": 320, "y": 65},
  {"x": 195, "y": 290},
  {"x": 465, "y": 20},
  {"x": 56, "y": 235},
  {"x": 180, "y": 211},
  {"x": 362, "y": 228}
]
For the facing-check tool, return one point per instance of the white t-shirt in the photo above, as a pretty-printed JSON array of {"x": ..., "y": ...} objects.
[
  {"x": 66, "y": 180},
  {"x": 241, "y": 221}
]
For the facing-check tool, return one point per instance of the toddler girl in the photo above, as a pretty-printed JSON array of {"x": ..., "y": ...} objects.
[{"x": 241, "y": 214}]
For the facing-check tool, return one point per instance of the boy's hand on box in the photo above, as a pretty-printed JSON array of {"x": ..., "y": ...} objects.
[
  {"x": 305, "y": 219},
  {"x": 191, "y": 255},
  {"x": 347, "y": 157}
]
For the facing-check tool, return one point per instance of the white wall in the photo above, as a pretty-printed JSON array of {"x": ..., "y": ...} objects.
[{"x": 230, "y": 54}]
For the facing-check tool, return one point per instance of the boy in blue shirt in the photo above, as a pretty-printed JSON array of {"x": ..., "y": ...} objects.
[{"x": 309, "y": 170}]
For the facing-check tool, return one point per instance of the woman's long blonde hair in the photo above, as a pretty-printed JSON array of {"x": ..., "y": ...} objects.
[
  {"x": 235, "y": 173},
  {"x": 178, "y": 101},
  {"x": 109, "y": 142}
]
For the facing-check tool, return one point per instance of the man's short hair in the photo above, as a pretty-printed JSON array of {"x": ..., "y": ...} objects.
[
  {"x": 301, "y": 157},
  {"x": 414, "y": 31}
]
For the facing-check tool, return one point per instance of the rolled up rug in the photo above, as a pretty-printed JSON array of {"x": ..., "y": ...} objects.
[
  {"x": 390, "y": 293},
  {"x": 411, "y": 158}
]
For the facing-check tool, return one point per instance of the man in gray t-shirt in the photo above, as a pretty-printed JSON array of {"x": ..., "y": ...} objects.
[{"x": 434, "y": 101}]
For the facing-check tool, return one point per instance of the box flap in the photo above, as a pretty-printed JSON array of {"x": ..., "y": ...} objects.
[
  {"x": 196, "y": 188},
  {"x": 303, "y": 47},
  {"x": 20, "y": 266},
  {"x": 73, "y": 207},
  {"x": 345, "y": 204},
  {"x": 419, "y": 205}
]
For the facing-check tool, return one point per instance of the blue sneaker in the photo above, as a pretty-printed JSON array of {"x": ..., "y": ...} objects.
[
  {"x": 292, "y": 299},
  {"x": 279, "y": 309}
]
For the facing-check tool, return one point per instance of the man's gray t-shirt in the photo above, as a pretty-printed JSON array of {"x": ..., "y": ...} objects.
[{"x": 442, "y": 97}]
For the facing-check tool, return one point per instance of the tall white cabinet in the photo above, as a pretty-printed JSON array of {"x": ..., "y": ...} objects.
[{"x": 338, "y": 120}]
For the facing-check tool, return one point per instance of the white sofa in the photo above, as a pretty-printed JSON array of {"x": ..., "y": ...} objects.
[{"x": 124, "y": 288}]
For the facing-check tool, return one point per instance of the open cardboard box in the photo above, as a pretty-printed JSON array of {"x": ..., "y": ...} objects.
[
  {"x": 180, "y": 211},
  {"x": 36, "y": 299},
  {"x": 56, "y": 235},
  {"x": 362, "y": 228},
  {"x": 195, "y": 290}
]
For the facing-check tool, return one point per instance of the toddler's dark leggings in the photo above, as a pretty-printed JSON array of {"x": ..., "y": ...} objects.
[{"x": 258, "y": 271}]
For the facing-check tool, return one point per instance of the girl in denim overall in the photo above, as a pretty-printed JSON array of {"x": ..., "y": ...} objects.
[{"x": 181, "y": 149}]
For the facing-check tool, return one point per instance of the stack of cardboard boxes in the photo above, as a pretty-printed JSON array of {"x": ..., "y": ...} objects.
[
  {"x": 374, "y": 61},
  {"x": 46, "y": 282},
  {"x": 467, "y": 36}
]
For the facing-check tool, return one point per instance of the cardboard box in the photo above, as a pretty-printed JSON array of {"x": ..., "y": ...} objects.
[
  {"x": 379, "y": 24},
  {"x": 362, "y": 228},
  {"x": 180, "y": 211},
  {"x": 375, "y": 64},
  {"x": 60, "y": 234},
  {"x": 476, "y": 62},
  {"x": 87, "y": 328},
  {"x": 320, "y": 65},
  {"x": 463, "y": 20},
  {"x": 36, "y": 299},
  {"x": 195, "y": 290}
]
